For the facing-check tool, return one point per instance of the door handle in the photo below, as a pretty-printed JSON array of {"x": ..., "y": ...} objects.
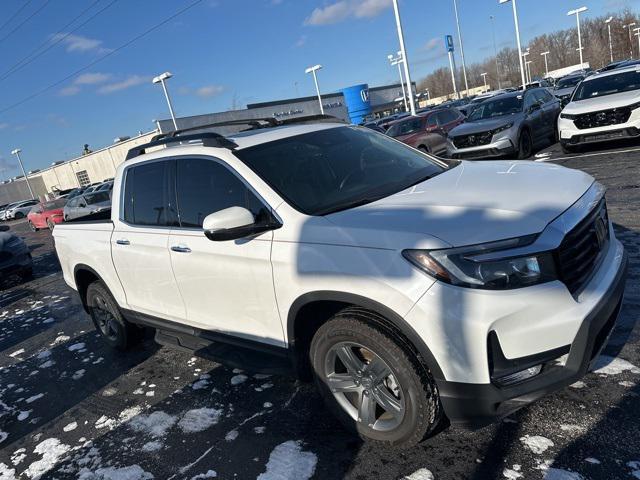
[
  {"x": 181, "y": 249},
  {"x": 122, "y": 242}
]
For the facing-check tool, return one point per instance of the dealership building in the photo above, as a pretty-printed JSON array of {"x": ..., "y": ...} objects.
[{"x": 352, "y": 104}]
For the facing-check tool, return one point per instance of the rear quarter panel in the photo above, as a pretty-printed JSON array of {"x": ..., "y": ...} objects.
[{"x": 88, "y": 244}]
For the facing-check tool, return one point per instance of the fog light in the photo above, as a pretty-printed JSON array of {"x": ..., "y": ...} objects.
[{"x": 520, "y": 376}]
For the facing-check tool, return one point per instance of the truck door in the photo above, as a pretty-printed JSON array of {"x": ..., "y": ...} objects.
[
  {"x": 227, "y": 286},
  {"x": 139, "y": 243}
]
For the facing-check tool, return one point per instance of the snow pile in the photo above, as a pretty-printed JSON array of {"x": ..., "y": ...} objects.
[
  {"x": 7, "y": 473},
  {"x": 51, "y": 450},
  {"x": 422, "y": 474},
  {"x": 155, "y": 424},
  {"x": 512, "y": 473},
  {"x": 288, "y": 461},
  {"x": 536, "y": 443},
  {"x": 613, "y": 366},
  {"x": 199, "y": 419}
]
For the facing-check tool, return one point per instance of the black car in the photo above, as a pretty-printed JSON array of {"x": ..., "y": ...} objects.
[{"x": 15, "y": 257}]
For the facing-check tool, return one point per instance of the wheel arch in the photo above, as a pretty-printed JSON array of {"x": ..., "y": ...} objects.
[
  {"x": 83, "y": 276},
  {"x": 309, "y": 311}
]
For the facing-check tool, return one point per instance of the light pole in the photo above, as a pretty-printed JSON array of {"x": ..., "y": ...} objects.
[
  {"x": 495, "y": 49},
  {"x": 405, "y": 59},
  {"x": 313, "y": 70},
  {"x": 428, "y": 94},
  {"x": 546, "y": 65},
  {"x": 526, "y": 69},
  {"x": 484, "y": 79},
  {"x": 577, "y": 13},
  {"x": 398, "y": 61},
  {"x": 464, "y": 66},
  {"x": 628, "y": 27},
  {"x": 637, "y": 34},
  {"x": 452, "y": 63},
  {"x": 16, "y": 152},
  {"x": 608, "y": 22},
  {"x": 528, "y": 64},
  {"x": 515, "y": 20},
  {"x": 161, "y": 79}
]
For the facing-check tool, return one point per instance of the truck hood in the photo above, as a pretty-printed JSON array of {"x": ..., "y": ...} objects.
[
  {"x": 605, "y": 102},
  {"x": 561, "y": 92},
  {"x": 469, "y": 204},
  {"x": 480, "y": 126}
]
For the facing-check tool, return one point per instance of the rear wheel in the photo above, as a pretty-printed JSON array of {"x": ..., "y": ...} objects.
[
  {"x": 371, "y": 384},
  {"x": 18, "y": 215},
  {"x": 525, "y": 146},
  {"x": 50, "y": 224},
  {"x": 566, "y": 149},
  {"x": 108, "y": 320},
  {"x": 32, "y": 226}
]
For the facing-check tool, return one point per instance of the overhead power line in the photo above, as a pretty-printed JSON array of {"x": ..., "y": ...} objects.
[
  {"x": 17, "y": 27},
  {"x": 57, "y": 38},
  {"x": 106, "y": 55},
  {"x": 10, "y": 19}
]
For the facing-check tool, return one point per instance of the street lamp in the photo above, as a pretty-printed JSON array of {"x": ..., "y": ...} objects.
[
  {"x": 495, "y": 49},
  {"x": 405, "y": 59},
  {"x": 546, "y": 65},
  {"x": 515, "y": 20},
  {"x": 628, "y": 27},
  {"x": 608, "y": 22},
  {"x": 162, "y": 78},
  {"x": 16, "y": 152},
  {"x": 528, "y": 63},
  {"x": 484, "y": 79},
  {"x": 464, "y": 66},
  {"x": 313, "y": 70},
  {"x": 398, "y": 61},
  {"x": 526, "y": 69},
  {"x": 577, "y": 13},
  {"x": 637, "y": 34}
]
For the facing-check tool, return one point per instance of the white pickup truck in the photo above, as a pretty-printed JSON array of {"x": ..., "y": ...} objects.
[{"x": 411, "y": 288}]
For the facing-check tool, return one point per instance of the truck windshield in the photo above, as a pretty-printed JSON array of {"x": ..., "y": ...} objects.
[
  {"x": 608, "y": 85},
  {"x": 496, "y": 108},
  {"x": 338, "y": 168}
]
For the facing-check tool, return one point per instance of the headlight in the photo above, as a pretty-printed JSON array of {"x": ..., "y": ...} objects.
[
  {"x": 568, "y": 116},
  {"x": 502, "y": 128},
  {"x": 487, "y": 266}
]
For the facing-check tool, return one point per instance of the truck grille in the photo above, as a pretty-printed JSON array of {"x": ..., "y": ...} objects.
[
  {"x": 603, "y": 118},
  {"x": 582, "y": 249},
  {"x": 474, "y": 140}
]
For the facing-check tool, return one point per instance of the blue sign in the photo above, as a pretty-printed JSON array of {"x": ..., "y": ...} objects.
[
  {"x": 448, "y": 43},
  {"x": 357, "y": 101}
]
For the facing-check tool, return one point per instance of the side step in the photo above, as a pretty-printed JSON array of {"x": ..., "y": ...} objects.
[{"x": 228, "y": 354}]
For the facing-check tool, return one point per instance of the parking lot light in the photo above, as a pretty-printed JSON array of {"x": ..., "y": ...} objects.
[
  {"x": 528, "y": 63},
  {"x": 637, "y": 34},
  {"x": 495, "y": 49},
  {"x": 16, "y": 152},
  {"x": 464, "y": 66},
  {"x": 608, "y": 22},
  {"x": 161, "y": 79},
  {"x": 526, "y": 70},
  {"x": 484, "y": 78},
  {"x": 515, "y": 21},
  {"x": 313, "y": 71},
  {"x": 577, "y": 13},
  {"x": 628, "y": 27},
  {"x": 546, "y": 65},
  {"x": 398, "y": 61},
  {"x": 403, "y": 50}
]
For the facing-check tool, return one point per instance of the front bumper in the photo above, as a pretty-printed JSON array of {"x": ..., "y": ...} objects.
[
  {"x": 570, "y": 135},
  {"x": 18, "y": 262},
  {"x": 498, "y": 148},
  {"x": 477, "y": 405}
]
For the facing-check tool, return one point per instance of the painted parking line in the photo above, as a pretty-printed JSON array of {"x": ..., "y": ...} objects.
[{"x": 543, "y": 158}]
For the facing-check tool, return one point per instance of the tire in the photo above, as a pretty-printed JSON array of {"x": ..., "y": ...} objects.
[
  {"x": 567, "y": 150},
  {"x": 50, "y": 224},
  {"x": 409, "y": 385},
  {"x": 525, "y": 146},
  {"x": 108, "y": 320},
  {"x": 18, "y": 216},
  {"x": 32, "y": 226},
  {"x": 27, "y": 273}
]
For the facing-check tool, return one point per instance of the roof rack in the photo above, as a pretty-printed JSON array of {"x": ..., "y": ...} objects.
[{"x": 212, "y": 139}]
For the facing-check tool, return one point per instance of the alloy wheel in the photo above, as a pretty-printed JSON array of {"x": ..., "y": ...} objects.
[
  {"x": 106, "y": 321},
  {"x": 364, "y": 386}
]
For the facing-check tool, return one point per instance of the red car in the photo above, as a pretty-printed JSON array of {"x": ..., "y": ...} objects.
[
  {"x": 426, "y": 131},
  {"x": 46, "y": 214}
]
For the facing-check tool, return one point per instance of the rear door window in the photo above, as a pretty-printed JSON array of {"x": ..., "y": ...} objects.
[{"x": 148, "y": 198}]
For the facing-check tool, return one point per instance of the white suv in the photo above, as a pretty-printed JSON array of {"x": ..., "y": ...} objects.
[
  {"x": 411, "y": 288},
  {"x": 604, "y": 107}
]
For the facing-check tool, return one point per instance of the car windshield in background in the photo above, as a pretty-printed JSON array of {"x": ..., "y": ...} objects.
[
  {"x": 568, "y": 82},
  {"x": 608, "y": 85},
  {"x": 405, "y": 128},
  {"x": 338, "y": 168},
  {"x": 55, "y": 204},
  {"x": 97, "y": 197},
  {"x": 496, "y": 108}
]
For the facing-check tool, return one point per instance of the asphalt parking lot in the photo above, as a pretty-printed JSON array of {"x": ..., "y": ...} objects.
[{"x": 72, "y": 408}]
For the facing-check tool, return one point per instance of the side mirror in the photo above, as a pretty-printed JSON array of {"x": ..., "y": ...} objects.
[
  {"x": 4, "y": 228},
  {"x": 235, "y": 222}
]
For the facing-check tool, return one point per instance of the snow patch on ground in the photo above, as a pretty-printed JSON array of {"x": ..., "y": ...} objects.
[
  {"x": 34, "y": 398},
  {"x": 51, "y": 450},
  {"x": 3, "y": 436},
  {"x": 592, "y": 460},
  {"x": 422, "y": 474},
  {"x": 78, "y": 374},
  {"x": 560, "y": 474},
  {"x": 75, "y": 346},
  {"x": 70, "y": 426},
  {"x": 7, "y": 473},
  {"x": 199, "y": 419},
  {"x": 238, "y": 379},
  {"x": 288, "y": 461},
  {"x": 209, "y": 474},
  {"x": 132, "y": 472},
  {"x": 512, "y": 473},
  {"x": 153, "y": 446},
  {"x": 16, "y": 353},
  {"x": 578, "y": 384},
  {"x": 232, "y": 435},
  {"x": 536, "y": 443},
  {"x": 155, "y": 424},
  {"x": 606, "y": 365}
]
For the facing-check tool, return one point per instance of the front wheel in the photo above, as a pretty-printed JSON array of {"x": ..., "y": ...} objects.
[
  {"x": 18, "y": 215},
  {"x": 32, "y": 226},
  {"x": 371, "y": 384},
  {"x": 525, "y": 146},
  {"x": 108, "y": 320},
  {"x": 50, "y": 224}
]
